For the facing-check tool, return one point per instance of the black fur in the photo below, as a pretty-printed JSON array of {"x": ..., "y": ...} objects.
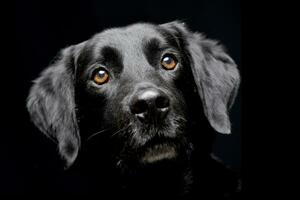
[{"x": 166, "y": 153}]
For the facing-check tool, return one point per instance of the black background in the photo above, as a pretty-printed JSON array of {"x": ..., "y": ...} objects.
[{"x": 44, "y": 27}]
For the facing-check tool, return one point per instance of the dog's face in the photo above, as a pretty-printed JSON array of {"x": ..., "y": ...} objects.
[
  {"x": 141, "y": 86},
  {"x": 133, "y": 81}
]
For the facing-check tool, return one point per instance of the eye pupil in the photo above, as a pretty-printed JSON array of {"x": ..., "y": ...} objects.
[
  {"x": 101, "y": 74},
  {"x": 168, "y": 60}
]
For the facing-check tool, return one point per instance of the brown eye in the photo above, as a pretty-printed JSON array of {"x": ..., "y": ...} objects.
[
  {"x": 169, "y": 62},
  {"x": 100, "y": 76}
]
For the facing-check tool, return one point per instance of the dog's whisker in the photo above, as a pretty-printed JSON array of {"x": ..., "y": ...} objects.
[
  {"x": 120, "y": 130},
  {"x": 99, "y": 132}
]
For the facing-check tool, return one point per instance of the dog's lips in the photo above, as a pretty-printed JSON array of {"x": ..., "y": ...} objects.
[{"x": 159, "y": 152}]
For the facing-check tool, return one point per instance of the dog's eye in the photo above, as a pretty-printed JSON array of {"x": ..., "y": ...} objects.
[
  {"x": 169, "y": 61},
  {"x": 100, "y": 76}
]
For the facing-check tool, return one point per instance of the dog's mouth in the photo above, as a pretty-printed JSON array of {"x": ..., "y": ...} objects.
[
  {"x": 152, "y": 144},
  {"x": 160, "y": 149},
  {"x": 159, "y": 152}
]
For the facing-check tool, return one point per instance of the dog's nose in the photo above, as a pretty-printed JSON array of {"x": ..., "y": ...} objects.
[{"x": 150, "y": 104}]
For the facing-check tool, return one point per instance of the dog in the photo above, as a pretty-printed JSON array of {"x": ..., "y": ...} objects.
[{"x": 136, "y": 108}]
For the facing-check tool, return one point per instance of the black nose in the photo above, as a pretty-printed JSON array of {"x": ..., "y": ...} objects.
[{"x": 150, "y": 104}]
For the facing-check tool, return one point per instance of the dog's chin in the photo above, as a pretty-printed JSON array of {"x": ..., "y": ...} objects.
[
  {"x": 156, "y": 145},
  {"x": 158, "y": 152}
]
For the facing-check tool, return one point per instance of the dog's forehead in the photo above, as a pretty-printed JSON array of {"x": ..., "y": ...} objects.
[{"x": 127, "y": 39}]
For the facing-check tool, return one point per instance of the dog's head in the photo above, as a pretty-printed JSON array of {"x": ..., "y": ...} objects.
[{"x": 141, "y": 85}]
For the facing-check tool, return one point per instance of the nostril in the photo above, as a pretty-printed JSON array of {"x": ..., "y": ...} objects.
[
  {"x": 162, "y": 102},
  {"x": 139, "y": 107}
]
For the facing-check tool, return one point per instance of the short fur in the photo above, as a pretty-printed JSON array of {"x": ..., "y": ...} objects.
[{"x": 169, "y": 156}]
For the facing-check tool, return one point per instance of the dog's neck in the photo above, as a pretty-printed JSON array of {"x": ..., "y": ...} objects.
[
  {"x": 201, "y": 174},
  {"x": 164, "y": 178}
]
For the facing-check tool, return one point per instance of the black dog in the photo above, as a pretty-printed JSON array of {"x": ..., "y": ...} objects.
[{"x": 143, "y": 103}]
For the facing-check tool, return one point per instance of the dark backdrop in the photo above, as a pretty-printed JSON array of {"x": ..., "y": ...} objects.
[{"x": 44, "y": 27}]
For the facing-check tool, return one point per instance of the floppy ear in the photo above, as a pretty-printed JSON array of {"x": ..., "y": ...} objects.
[
  {"x": 52, "y": 108},
  {"x": 215, "y": 74}
]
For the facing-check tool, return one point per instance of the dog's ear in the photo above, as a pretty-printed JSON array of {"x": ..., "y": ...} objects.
[
  {"x": 51, "y": 105},
  {"x": 215, "y": 74}
]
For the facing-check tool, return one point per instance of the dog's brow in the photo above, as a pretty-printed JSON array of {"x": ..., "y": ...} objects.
[
  {"x": 109, "y": 53},
  {"x": 153, "y": 44},
  {"x": 152, "y": 47},
  {"x": 112, "y": 57},
  {"x": 169, "y": 37}
]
